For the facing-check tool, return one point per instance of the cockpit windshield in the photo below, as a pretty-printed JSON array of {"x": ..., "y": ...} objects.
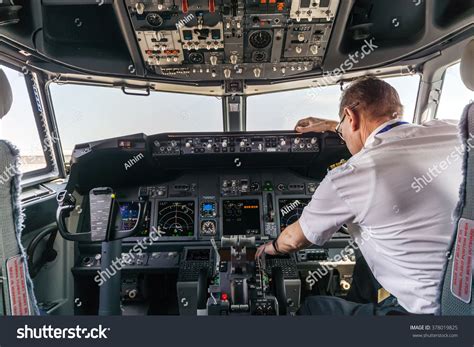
[
  {"x": 91, "y": 113},
  {"x": 282, "y": 110}
]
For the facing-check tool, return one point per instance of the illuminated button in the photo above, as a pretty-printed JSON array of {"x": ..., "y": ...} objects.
[{"x": 224, "y": 297}]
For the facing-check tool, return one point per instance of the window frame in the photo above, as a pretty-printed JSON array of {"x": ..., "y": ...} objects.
[{"x": 42, "y": 119}]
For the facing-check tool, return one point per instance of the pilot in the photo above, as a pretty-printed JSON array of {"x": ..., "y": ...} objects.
[{"x": 396, "y": 193}]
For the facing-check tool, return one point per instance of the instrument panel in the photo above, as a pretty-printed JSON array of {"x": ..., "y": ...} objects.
[
  {"x": 232, "y": 39},
  {"x": 208, "y": 205}
]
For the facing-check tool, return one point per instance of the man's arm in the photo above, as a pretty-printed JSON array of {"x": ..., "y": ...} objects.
[
  {"x": 323, "y": 216},
  {"x": 290, "y": 240},
  {"x": 312, "y": 124}
]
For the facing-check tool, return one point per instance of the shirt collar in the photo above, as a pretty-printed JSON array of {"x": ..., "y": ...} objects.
[{"x": 372, "y": 135}]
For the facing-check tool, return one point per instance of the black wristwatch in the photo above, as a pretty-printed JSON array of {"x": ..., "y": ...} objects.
[{"x": 275, "y": 247}]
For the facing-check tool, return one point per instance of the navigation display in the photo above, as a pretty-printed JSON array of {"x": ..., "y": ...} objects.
[
  {"x": 176, "y": 218},
  {"x": 129, "y": 215},
  {"x": 291, "y": 210},
  {"x": 241, "y": 217}
]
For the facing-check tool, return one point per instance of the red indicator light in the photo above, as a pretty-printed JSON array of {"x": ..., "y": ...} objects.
[{"x": 224, "y": 296}]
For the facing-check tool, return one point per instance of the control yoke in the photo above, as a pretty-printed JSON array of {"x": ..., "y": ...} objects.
[{"x": 103, "y": 212}]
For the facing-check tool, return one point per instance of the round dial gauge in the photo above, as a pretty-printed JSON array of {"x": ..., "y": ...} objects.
[
  {"x": 208, "y": 227},
  {"x": 260, "y": 39}
]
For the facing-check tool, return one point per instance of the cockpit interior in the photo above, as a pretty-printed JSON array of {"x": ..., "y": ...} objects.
[{"x": 157, "y": 147}]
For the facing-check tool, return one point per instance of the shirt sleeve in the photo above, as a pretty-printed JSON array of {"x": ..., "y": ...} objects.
[{"x": 325, "y": 214}]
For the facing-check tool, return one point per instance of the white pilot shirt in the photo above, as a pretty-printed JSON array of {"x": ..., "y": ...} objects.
[{"x": 400, "y": 190}]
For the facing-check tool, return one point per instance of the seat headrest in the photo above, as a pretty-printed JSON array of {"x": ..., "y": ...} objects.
[
  {"x": 6, "y": 98},
  {"x": 467, "y": 65}
]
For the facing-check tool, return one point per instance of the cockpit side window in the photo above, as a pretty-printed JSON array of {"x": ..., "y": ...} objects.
[
  {"x": 454, "y": 95},
  {"x": 20, "y": 127}
]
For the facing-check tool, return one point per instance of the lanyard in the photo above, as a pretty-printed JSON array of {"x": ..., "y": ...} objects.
[{"x": 391, "y": 126}]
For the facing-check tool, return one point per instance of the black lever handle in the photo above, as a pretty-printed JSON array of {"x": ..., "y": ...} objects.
[
  {"x": 279, "y": 289},
  {"x": 67, "y": 204}
]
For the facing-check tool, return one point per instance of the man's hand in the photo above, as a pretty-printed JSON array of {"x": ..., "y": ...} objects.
[
  {"x": 266, "y": 248},
  {"x": 312, "y": 124},
  {"x": 292, "y": 239}
]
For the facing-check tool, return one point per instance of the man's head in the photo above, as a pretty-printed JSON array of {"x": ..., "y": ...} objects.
[{"x": 365, "y": 104}]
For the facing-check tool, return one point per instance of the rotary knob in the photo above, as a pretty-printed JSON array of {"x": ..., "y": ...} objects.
[
  {"x": 132, "y": 294},
  {"x": 314, "y": 140},
  {"x": 227, "y": 73},
  {"x": 296, "y": 141},
  {"x": 282, "y": 142},
  {"x": 298, "y": 49},
  {"x": 314, "y": 49},
  {"x": 301, "y": 37},
  {"x": 233, "y": 59},
  {"x": 213, "y": 60}
]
